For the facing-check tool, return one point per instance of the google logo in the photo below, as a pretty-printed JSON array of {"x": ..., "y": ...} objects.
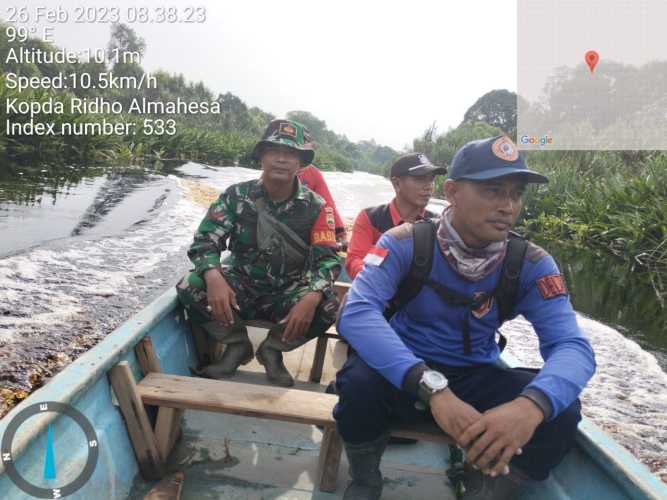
[{"x": 531, "y": 139}]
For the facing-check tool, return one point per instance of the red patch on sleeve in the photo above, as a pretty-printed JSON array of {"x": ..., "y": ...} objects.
[
  {"x": 379, "y": 251},
  {"x": 551, "y": 286},
  {"x": 322, "y": 233},
  {"x": 375, "y": 256}
]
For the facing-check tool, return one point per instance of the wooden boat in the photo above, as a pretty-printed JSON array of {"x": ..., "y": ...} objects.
[{"x": 222, "y": 455}]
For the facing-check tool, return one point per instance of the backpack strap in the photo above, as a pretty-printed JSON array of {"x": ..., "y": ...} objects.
[
  {"x": 508, "y": 284},
  {"x": 423, "y": 239}
]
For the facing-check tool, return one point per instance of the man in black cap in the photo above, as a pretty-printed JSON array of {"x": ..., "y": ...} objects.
[
  {"x": 438, "y": 351},
  {"x": 412, "y": 176}
]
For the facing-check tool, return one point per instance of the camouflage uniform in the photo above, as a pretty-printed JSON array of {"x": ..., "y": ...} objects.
[{"x": 267, "y": 282}]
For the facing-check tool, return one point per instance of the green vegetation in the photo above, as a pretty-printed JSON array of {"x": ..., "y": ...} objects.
[
  {"x": 337, "y": 152},
  {"x": 222, "y": 138},
  {"x": 440, "y": 149},
  {"x": 613, "y": 203}
]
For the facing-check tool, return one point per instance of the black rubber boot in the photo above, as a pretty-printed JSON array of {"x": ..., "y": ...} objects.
[
  {"x": 479, "y": 486},
  {"x": 238, "y": 351},
  {"x": 235, "y": 355},
  {"x": 270, "y": 355},
  {"x": 364, "y": 460}
]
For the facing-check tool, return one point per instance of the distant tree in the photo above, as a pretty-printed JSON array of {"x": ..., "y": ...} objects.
[
  {"x": 316, "y": 126},
  {"x": 326, "y": 159},
  {"x": 425, "y": 143},
  {"x": 199, "y": 92},
  {"x": 446, "y": 145},
  {"x": 497, "y": 108},
  {"x": 234, "y": 113},
  {"x": 376, "y": 152},
  {"x": 383, "y": 154},
  {"x": 621, "y": 101},
  {"x": 260, "y": 119},
  {"x": 124, "y": 39}
]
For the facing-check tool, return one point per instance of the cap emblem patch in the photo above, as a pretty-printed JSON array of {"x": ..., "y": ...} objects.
[
  {"x": 286, "y": 129},
  {"x": 423, "y": 160},
  {"x": 505, "y": 149}
]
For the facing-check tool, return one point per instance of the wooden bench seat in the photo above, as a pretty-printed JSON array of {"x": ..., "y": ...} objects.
[
  {"x": 223, "y": 396},
  {"x": 172, "y": 394},
  {"x": 273, "y": 403}
]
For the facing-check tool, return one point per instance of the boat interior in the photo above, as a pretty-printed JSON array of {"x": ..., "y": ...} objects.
[{"x": 235, "y": 457}]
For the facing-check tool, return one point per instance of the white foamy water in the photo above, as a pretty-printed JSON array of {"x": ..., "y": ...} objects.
[
  {"x": 98, "y": 283},
  {"x": 627, "y": 396},
  {"x": 55, "y": 282}
]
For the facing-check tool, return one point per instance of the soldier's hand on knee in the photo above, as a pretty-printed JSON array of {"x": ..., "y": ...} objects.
[
  {"x": 221, "y": 298},
  {"x": 452, "y": 414},
  {"x": 499, "y": 434},
  {"x": 300, "y": 317}
]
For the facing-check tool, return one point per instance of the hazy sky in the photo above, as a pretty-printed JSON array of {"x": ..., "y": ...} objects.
[{"x": 382, "y": 70}]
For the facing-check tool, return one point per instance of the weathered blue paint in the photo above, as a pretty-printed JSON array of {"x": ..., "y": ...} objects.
[
  {"x": 597, "y": 468},
  {"x": 84, "y": 385}
]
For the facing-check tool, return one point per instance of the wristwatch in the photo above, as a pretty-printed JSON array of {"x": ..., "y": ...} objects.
[{"x": 431, "y": 383}]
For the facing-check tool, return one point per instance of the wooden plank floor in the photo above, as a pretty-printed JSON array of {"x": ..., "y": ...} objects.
[{"x": 230, "y": 457}]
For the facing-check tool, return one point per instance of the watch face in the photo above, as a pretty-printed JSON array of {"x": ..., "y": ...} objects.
[{"x": 434, "y": 380}]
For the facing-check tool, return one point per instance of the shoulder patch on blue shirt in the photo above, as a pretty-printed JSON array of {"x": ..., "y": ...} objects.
[
  {"x": 551, "y": 286},
  {"x": 402, "y": 232},
  {"x": 535, "y": 252}
]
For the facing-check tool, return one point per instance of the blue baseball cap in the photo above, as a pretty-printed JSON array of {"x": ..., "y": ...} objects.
[{"x": 491, "y": 158}]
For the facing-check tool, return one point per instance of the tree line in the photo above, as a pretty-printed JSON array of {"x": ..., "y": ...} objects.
[{"x": 219, "y": 138}]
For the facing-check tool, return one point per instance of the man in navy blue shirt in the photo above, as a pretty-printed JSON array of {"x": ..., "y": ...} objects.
[{"x": 515, "y": 425}]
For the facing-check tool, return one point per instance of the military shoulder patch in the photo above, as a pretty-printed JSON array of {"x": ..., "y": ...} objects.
[
  {"x": 330, "y": 217},
  {"x": 535, "y": 252},
  {"x": 322, "y": 233},
  {"x": 551, "y": 286},
  {"x": 401, "y": 232}
]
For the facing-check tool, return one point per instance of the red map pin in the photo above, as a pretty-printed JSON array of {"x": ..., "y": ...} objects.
[{"x": 592, "y": 58}]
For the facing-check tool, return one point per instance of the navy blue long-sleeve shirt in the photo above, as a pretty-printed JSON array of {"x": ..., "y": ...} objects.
[{"x": 429, "y": 329}]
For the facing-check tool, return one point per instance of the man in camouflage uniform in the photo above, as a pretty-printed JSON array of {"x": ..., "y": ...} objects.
[{"x": 283, "y": 260}]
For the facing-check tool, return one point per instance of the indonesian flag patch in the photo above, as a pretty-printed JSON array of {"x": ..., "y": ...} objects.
[
  {"x": 375, "y": 256},
  {"x": 551, "y": 286}
]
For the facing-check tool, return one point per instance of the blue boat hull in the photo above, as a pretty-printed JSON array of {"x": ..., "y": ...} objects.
[{"x": 596, "y": 468}]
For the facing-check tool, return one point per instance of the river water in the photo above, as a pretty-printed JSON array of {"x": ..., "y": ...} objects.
[{"x": 81, "y": 251}]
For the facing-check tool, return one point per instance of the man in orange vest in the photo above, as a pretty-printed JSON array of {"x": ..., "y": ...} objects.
[{"x": 412, "y": 176}]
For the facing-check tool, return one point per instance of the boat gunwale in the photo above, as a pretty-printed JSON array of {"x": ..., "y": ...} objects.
[{"x": 88, "y": 368}]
